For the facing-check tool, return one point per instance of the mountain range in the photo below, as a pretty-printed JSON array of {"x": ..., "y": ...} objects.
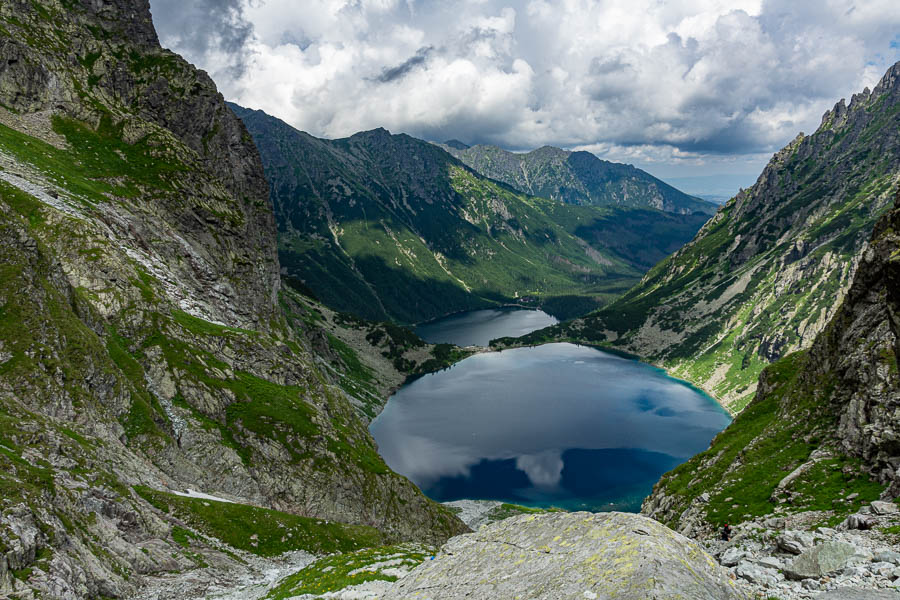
[
  {"x": 577, "y": 178},
  {"x": 389, "y": 226}
]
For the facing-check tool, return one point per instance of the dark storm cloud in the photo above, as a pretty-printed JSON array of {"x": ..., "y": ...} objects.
[
  {"x": 198, "y": 29},
  {"x": 401, "y": 70}
]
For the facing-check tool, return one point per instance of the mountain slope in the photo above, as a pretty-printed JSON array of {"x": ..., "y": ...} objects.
[
  {"x": 146, "y": 345},
  {"x": 768, "y": 272},
  {"x": 577, "y": 178},
  {"x": 388, "y": 226},
  {"x": 822, "y": 425}
]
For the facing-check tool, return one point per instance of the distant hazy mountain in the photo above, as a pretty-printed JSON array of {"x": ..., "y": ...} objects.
[
  {"x": 576, "y": 178},
  {"x": 718, "y": 189},
  {"x": 389, "y": 226}
]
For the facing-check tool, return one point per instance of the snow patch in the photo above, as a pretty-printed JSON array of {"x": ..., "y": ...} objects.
[{"x": 189, "y": 493}]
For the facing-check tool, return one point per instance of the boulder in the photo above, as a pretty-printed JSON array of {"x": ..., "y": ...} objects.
[
  {"x": 884, "y": 508},
  {"x": 770, "y": 562},
  {"x": 732, "y": 557},
  {"x": 887, "y": 556},
  {"x": 820, "y": 560},
  {"x": 755, "y": 573},
  {"x": 569, "y": 556},
  {"x": 794, "y": 542},
  {"x": 859, "y": 521},
  {"x": 885, "y": 569}
]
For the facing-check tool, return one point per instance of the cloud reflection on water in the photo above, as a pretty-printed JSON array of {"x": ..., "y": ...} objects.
[{"x": 532, "y": 404}]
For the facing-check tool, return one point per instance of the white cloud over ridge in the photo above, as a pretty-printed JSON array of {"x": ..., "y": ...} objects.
[{"x": 637, "y": 80}]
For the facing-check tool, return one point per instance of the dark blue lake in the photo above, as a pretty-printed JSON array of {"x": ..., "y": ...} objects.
[
  {"x": 554, "y": 425},
  {"x": 479, "y": 327}
]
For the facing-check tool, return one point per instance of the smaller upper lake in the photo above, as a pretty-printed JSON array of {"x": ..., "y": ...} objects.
[{"x": 479, "y": 327}]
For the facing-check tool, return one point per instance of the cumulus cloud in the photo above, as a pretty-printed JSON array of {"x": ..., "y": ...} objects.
[
  {"x": 683, "y": 80},
  {"x": 211, "y": 33}
]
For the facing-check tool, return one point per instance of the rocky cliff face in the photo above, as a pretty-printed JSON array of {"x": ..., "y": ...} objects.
[
  {"x": 390, "y": 226},
  {"x": 577, "y": 178},
  {"x": 101, "y": 64},
  {"x": 767, "y": 273},
  {"x": 821, "y": 432},
  {"x": 146, "y": 346}
]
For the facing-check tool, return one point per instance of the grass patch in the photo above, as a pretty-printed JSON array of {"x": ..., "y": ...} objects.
[
  {"x": 335, "y": 573},
  {"x": 355, "y": 368},
  {"x": 262, "y": 531},
  {"x": 507, "y": 510},
  {"x": 98, "y": 164}
]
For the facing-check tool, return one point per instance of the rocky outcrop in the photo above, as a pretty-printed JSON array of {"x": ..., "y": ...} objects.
[
  {"x": 767, "y": 273},
  {"x": 827, "y": 564},
  {"x": 101, "y": 63},
  {"x": 570, "y": 555}
]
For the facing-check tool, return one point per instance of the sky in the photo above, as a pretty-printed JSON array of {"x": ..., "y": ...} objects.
[{"x": 699, "y": 89}]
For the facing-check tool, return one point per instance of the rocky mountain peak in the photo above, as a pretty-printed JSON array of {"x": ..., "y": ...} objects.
[
  {"x": 889, "y": 83},
  {"x": 578, "y": 178},
  {"x": 457, "y": 145}
]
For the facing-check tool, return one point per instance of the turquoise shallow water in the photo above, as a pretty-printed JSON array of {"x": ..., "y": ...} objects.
[{"x": 554, "y": 425}]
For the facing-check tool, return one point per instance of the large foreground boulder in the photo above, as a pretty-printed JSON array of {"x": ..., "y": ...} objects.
[
  {"x": 820, "y": 560},
  {"x": 570, "y": 555}
]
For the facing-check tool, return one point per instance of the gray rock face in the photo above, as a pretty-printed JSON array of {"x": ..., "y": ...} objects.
[
  {"x": 820, "y": 560},
  {"x": 570, "y": 555}
]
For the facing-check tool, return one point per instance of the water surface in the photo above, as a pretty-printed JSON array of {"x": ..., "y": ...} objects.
[
  {"x": 479, "y": 327},
  {"x": 554, "y": 425}
]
